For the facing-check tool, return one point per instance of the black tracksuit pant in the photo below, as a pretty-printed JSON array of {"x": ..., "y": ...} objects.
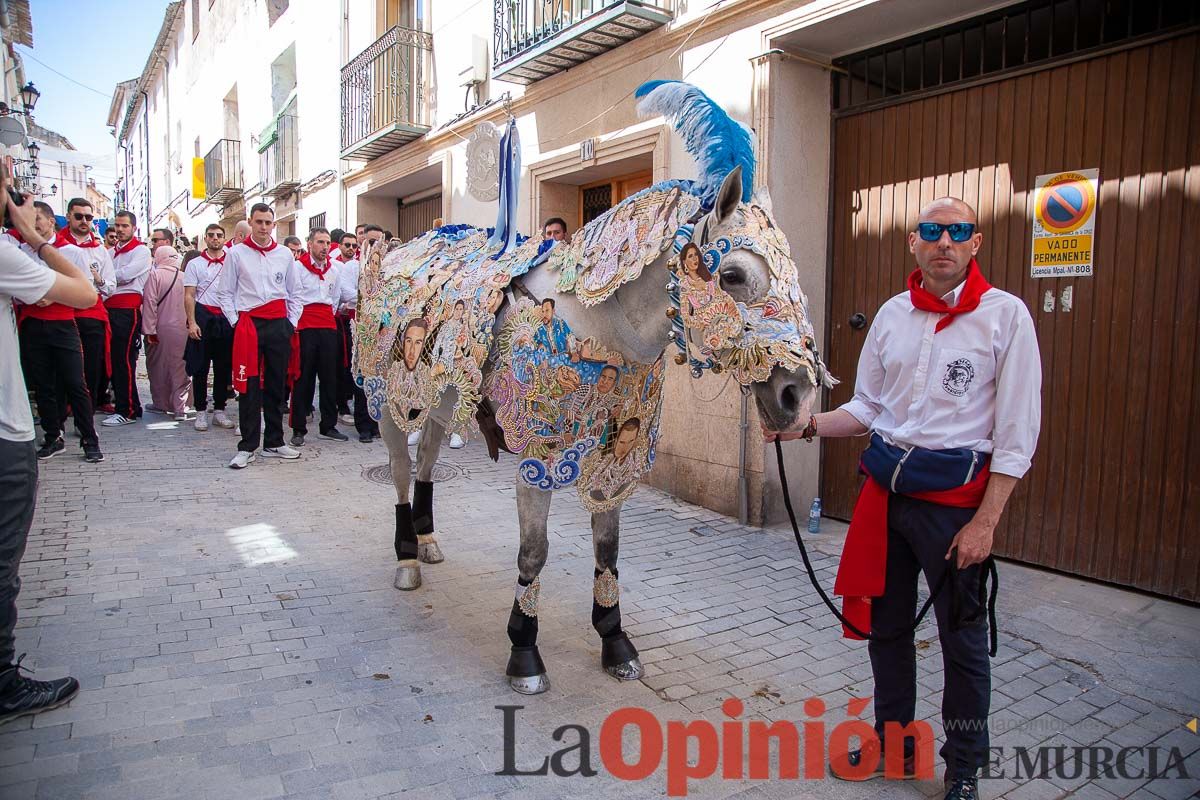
[
  {"x": 53, "y": 361},
  {"x": 318, "y": 361},
  {"x": 264, "y": 394},
  {"x": 216, "y": 346},
  {"x": 345, "y": 380},
  {"x": 95, "y": 355},
  {"x": 919, "y": 534},
  {"x": 126, "y": 344}
]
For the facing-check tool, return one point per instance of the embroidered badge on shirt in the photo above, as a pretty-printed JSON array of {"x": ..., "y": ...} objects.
[
  {"x": 959, "y": 374},
  {"x": 279, "y": 277}
]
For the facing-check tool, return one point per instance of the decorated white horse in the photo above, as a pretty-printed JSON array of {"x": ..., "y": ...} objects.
[{"x": 556, "y": 352}]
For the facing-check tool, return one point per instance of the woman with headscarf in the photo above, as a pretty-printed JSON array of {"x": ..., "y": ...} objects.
[{"x": 164, "y": 324}]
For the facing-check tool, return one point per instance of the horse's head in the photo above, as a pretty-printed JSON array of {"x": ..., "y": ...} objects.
[{"x": 775, "y": 354}]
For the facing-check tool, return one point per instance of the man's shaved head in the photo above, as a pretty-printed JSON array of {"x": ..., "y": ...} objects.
[{"x": 948, "y": 204}]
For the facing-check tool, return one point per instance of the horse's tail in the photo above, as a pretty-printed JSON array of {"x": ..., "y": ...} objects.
[{"x": 717, "y": 141}]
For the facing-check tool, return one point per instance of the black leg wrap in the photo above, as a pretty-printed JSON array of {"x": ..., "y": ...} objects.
[
  {"x": 606, "y": 621},
  {"x": 422, "y": 507},
  {"x": 522, "y": 629},
  {"x": 406, "y": 537},
  {"x": 616, "y": 649}
]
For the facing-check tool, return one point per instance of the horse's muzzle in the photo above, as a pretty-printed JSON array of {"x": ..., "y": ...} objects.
[{"x": 785, "y": 399}]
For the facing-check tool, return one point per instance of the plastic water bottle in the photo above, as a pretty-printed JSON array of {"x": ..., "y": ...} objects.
[{"x": 814, "y": 516}]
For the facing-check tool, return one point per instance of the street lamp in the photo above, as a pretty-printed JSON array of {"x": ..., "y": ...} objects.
[
  {"x": 34, "y": 150},
  {"x": 29, "y": 97}
]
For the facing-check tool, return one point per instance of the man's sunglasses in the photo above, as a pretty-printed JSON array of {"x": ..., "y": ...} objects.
[
  {"x": 80, "y": 217},
  {"x": 932, "y": 231}
]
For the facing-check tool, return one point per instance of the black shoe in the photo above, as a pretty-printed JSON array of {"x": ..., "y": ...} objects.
[
  {"x": 336, "y": 435},
  {"x": 92, "y": 454},
  {"x": 21, "y": 696},
  {"x": 297, "y": 440},
  {"x": 51, "y": 449},
  {"x": 855, "y": 757},
  {"x": 365, "y": 438},
  {"x": 963, "y": 789}
]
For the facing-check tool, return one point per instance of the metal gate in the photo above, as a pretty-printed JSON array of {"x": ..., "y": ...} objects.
[{"x": 1114, "y": 492}]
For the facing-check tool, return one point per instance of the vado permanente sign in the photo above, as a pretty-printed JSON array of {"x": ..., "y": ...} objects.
[{"x": 1064, "y": 223}]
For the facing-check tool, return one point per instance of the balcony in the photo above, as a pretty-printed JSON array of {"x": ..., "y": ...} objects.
[
  {"x": 383, "y": 94},
  {"x": 534, "y": 39},
  {"x": 279, "y": 157},
  {"x": 223, "y": 172}
]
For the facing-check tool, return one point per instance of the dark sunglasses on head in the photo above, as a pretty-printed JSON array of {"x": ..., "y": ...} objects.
[
  {"x": 79, "y": 217},
  {"x": 932, "y": 231}
]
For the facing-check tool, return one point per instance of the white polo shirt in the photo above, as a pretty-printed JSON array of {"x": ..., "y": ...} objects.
[{"x": 976, "y": 384}]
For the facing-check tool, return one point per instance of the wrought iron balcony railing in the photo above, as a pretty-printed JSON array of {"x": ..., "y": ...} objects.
[
  {"x": 223, "y": 172},
  {"x": 384, "y": 101},
  {"x": 533, "y": 39},
  {"x": 279, "y": 161}
]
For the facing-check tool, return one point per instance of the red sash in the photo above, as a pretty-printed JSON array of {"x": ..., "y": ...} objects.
[
  {"x": 55, "y": 312},
  {"x": 215, "y": 310},
  {"x": 861, "y": 574},
  {"x": 124, "y": 300},
  {"x": 245, "y": 341},
  {"x": 315, "y": 315}
]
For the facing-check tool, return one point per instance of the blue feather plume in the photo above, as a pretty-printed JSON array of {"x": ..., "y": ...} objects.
[{"x": 717, "y": 141}]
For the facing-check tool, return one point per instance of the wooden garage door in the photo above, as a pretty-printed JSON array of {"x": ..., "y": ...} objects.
[{"x": 1114, "y": 491}]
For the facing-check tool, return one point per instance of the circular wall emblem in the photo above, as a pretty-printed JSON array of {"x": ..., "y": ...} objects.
[
  {"x": 382, "y": 474},
  {"x": 483, "y": 162}
]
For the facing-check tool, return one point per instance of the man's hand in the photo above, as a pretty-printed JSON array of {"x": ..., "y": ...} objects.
[
  {"x": 22, "y": 216},
  {"x": 770, "y": 435},
  {"x": 193, "y": 331},
  {"x": 974, "y": 543},
  {"x": 151, "y": 338}
]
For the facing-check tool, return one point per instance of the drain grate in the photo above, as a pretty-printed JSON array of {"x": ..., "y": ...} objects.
[{"x": 382, "y": 474}]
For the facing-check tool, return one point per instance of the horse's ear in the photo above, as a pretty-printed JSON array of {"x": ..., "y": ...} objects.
[{"x": 729, "y": 195}]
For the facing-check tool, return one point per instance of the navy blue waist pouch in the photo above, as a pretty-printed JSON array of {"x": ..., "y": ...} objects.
[{"x": 908, "y": 470}]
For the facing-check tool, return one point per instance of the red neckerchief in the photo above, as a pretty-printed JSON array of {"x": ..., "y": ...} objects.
[
  {"x": 65, "y": 237},
  {"x": 220, "y": 260},
  {"x": 16, "y": 235},
  {"x": 307, "y": 261},
  {"x": 249, "y": 242},
  {"x": 968, "y": 300},
  {"x": 122, "y": 249}
]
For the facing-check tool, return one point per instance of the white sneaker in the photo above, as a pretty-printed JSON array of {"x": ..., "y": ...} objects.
[
  {"x": 456, "y": 442},
  {"x": 221, "y": 421},
  {"x": 237, "y": 431},
  {"x": 283, "y": 451},
  {"x": 413, "y": 438},
  {"x": 347, "y": 418},
  {"x": 201, "y": 420},
  {"x": 241, "y": 460},
  {"x": 116, "y": 420}
]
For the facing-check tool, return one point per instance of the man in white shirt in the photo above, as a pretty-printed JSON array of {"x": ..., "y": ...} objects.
[
  {"x": 25, "y": 280},
  {"x": 79, "y": 244},
  {"x": 210, "y": 337},
  {"x": 257, "y": 292},
  {"x": 319, "y": 292},
  {"x": 949, "y": 386},
  {"x": 367, "y": 428},
  {"x": 131, "y": 264}
]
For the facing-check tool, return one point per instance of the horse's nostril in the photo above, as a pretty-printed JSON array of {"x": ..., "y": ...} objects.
[{"x": 789, "y": 398}]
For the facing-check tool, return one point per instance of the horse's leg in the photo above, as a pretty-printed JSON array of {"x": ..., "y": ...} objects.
[
  {"x": 432, "y": 436},
  {"x": 618, "y": 656},
  {"x": 526, "y": 672},
  {"x": 408, "y": 570}
]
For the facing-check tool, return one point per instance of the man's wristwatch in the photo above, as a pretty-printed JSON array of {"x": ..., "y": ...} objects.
[{"x": 810, "y": 430}]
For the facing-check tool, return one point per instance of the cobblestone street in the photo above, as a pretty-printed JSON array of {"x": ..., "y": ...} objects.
[{"x": 237, "y": 636}]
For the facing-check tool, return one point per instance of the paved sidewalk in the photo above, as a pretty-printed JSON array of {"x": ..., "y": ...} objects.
[{"x": 237, "y": 637}]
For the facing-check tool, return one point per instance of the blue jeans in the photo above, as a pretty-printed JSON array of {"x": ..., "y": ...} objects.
[
  {"x": 919, "y": 534},
  {"x": 18, "y": 492}
]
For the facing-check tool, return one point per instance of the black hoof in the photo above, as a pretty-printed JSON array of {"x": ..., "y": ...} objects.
[
  {"x": 616, "y": 650},
  {"x": 525, "y": 662}
]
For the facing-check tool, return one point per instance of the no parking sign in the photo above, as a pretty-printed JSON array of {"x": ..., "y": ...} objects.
[{"x": 1064, "y": 223}]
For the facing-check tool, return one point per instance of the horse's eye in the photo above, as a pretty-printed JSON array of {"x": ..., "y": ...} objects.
[{"x": 733, "y": 277}]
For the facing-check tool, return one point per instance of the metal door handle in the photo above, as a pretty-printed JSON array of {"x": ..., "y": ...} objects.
[{"x": 858, "y": 320}]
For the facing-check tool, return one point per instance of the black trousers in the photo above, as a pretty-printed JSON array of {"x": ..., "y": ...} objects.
[
  {"x": 95, "y": 353},
  {"x": 126, "y": 344},
  {"x": 18, "y": 490},
  {"x": 318, "y": 361},
  {"x": 218, "y": 355},
  {"x": 919, "y": 534},
  {"x": 264, "y": 394},
  {"x": 345, "y": 381},
  {"x": 53, "y": 360}
]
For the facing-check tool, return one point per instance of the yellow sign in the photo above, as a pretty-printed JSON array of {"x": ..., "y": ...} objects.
[
  {"x": 1191, "y": 726},
  {"x": 198, "y": 188},
  {"x": 1064, "y": 223}
]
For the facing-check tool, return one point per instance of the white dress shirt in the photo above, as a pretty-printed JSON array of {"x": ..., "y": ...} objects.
[
  {"x": 131, "y": 268},
  {"x": 87, "y": 258},
  {"x": 252, "y": 278},
  {"x": 976, "y": 384},
  {"x": 311, "y": 289},
  {"x": 202, "y": 274},
  {"x": 349, "y": 286}
]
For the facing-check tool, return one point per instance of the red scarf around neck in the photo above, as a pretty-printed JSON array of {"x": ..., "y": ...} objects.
[
  {"x": 249, "y": 242},
  {"x": 121, "y": 249},
  {"x": 211, "y": 260},
  {"x": 306, "y": 260},
  {"x": 65, "y": 237},
  {"x": 968, "y": 299}
]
